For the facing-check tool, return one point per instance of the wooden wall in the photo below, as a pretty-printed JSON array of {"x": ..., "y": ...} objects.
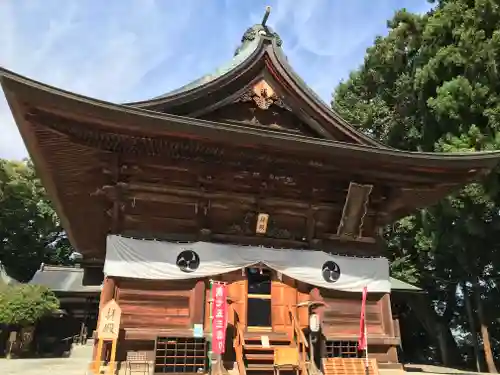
[
  {"x": 171, "y": 308},
  {"x": 159, "y": 305},
  {"x": 342, "y": 313}
]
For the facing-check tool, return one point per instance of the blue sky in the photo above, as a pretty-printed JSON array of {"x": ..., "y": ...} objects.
[{"x": 125, "y": 50}]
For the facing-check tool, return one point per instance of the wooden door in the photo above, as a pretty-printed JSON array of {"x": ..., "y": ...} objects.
[
  {"x": 238, "y": 307},
  {"x": 303, "y": 298},
  {"x": 236, "y": 292},
  {"x": 283, "y": 294}
]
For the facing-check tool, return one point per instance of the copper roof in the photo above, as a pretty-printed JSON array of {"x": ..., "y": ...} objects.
[{"x": 63, "y": 279}]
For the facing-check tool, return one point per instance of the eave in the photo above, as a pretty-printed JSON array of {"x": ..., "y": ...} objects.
[
  {"x": 122, "y": 119},
  {"x": 31, "y": 102}
]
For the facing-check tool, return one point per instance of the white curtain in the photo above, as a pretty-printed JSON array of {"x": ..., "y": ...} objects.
[{"x": 156, "y": 260}]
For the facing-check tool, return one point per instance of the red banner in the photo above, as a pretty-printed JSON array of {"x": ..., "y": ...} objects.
[
  {"x": 362, "y": 322},
  {"x": 219, "y": 317}
]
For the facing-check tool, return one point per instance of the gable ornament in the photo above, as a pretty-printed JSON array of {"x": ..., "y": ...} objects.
[{"x": 263, "y": 95}]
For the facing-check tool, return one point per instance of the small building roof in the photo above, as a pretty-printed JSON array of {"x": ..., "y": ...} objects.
[
  {"x": 401, "y": 286},
  {"x": 63, "y": 279}
]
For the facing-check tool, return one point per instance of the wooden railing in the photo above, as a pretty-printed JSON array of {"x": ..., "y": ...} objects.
[
  {"x": 239, "y": 341},
  {"x": 299, "y": 339}
]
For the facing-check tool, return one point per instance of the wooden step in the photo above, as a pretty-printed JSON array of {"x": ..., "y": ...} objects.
[
  {"x": 259, "y": 347},
  {"x": 268, "y": 370},
  {"x": 274, "y": 336},
  {"x": 259, "y": 366},
  {"x": 260, "y": 356},
  {"x": 272, "y": 342}
]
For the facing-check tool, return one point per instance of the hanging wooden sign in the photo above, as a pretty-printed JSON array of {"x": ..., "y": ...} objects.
[
  {"x": 109, "y": 321},
  {"x": 262, "y": 220},
  {"x": 108, "y": 329}
]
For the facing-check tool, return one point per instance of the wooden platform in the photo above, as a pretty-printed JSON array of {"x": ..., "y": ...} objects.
[{"x": 348, "y": 366}]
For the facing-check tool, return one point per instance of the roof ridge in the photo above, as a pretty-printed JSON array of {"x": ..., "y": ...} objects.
[{"x": 56, "y": 267}]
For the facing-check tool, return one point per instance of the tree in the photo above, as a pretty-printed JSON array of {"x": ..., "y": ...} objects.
[
  {"x": 433, "y": 84},
  {"x": 23, "y": 305},
  {"x": 30, "y": 231}
]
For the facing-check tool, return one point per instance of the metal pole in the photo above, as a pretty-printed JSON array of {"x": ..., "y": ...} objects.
[
  {"x": 266, "y": 16},
  {"x": 367, "y": 364},
  {"x": 311, "y": 349},
  {"x": 210, "y": 352}
]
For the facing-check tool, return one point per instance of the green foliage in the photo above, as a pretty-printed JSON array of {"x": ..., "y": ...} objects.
[
  {"x": 30, "y": 232},
  {"x": 433, "y": 84},
  {"x": 25, "y": 304}
]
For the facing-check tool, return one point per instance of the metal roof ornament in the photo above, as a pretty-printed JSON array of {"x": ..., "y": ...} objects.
[
  {"x": 259, "y": 30},
  {"x": 266, "y": 16}
]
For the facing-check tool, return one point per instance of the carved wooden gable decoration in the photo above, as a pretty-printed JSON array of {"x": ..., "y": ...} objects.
[
  {"x": 260, "y": 105},
  {"x": 263, "y": 95}
]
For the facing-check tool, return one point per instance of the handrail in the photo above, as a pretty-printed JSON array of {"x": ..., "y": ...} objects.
[
  {"x": 238, "y": 342},
  {"x": 296, "y": 327},
  {"x": 299, "y": 340}
]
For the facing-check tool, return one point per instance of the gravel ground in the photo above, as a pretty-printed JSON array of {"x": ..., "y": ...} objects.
[
  {"x": 76, "y": 364},
  {"x": 79, "y": 361}
]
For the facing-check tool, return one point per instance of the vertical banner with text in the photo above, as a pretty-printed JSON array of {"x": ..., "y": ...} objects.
[{"x": 219, "y": 317}]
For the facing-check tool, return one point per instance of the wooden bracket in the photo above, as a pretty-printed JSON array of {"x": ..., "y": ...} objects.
[{"x": 355, "y": 208}]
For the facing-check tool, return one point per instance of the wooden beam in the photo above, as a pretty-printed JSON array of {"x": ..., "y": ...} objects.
[
  {"x": 311, "y": 226},
  {"x": 332, "y": 243},
  {"x": 139, "y": 190},
  {"x": 362, "y": 173},
  {"x": 118, "y": 201},
  {"x": 202, "y": 219},
  {"x": 346, "y": 239},
  {"x": 165, "y": 221}
]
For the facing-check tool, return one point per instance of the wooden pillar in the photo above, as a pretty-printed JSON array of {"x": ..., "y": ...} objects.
[
  {"x": 197, "y": 303},
  {"x": 388, "y": 326},
  {"x": 107, "y": 294},
  {"x": 386, "y": 312},
  {"x": 315, "y": 296}
]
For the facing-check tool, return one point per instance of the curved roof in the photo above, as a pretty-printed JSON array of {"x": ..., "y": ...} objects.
[
  {"x": 70, "y": 136},
  {"x": 250, "y": 43},
  {"x": 55, "y": 123},
  {"x": 257, "y": 43},
  {"x": 141, "y": 121},
  {"x": 237, "y": 60}
]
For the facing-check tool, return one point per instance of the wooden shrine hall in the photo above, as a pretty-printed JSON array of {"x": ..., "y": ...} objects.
[{"x": 243, "y": 176}]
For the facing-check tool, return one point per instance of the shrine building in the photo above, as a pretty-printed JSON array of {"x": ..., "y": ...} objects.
[{"x": 243, "y": 176}]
